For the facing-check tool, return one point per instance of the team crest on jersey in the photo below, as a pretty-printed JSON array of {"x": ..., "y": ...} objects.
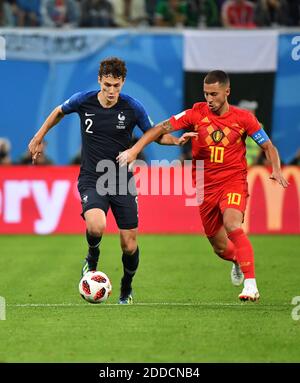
[
  {"x": 121, "y": 121},
  {"x": 217, "y": 136}
]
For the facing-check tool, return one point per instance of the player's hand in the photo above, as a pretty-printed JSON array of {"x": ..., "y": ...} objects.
[
  {"x": 35, "y": 148},
  {"x": 126, "y": 157},
  {"x": 278, "y": 177},
  {"x": 186, "y": 137}
]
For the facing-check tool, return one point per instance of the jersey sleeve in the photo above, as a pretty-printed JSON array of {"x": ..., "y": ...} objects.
[
  {"x": 143, "y": 121},
  {"x": 251, "y": 124},
  {"x": 255, "y": 129},
  {"x": 72, "y": 104},
  {"x": 183, "y": 120}
]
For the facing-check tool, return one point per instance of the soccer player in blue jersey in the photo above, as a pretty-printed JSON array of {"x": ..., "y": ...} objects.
[{"x": 107, "y": 121}]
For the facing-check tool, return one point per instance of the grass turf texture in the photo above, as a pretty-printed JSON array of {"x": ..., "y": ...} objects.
[{"x": 186, "y": 308}]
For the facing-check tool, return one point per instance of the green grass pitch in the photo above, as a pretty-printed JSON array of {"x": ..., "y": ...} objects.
[{"x": 186, "y": 308}]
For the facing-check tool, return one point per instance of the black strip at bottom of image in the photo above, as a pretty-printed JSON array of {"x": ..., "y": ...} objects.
[{"x": 140, "y": 372}]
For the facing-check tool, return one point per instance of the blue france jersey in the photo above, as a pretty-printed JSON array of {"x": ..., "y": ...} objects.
[{"x": 105, "y": 132}]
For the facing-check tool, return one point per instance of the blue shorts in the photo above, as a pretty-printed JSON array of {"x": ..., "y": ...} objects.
[{"x": 124, "y": 207}]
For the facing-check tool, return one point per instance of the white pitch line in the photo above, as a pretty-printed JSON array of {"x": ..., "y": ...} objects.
[
  {"x": 242, "y": 304},
  {"x": 116, "y": 304}
]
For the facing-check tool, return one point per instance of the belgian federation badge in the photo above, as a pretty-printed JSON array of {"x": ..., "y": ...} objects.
[{"x": 217, "y": 135}]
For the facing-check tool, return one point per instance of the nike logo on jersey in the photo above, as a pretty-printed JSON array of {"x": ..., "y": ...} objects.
[{"x": 89, "y": 114}]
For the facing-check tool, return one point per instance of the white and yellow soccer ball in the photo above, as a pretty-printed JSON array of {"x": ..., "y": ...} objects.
[{"x": 95, "y": 287}]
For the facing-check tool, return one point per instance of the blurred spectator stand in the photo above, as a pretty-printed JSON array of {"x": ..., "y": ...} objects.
[{"x": 238, "y": 14}]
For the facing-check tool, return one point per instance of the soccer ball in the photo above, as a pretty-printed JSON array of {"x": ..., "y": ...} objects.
[{"x": 95, "y": 287}]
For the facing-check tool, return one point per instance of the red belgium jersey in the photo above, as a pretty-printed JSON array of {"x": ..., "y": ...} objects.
[{"x": 220, "y": 142}]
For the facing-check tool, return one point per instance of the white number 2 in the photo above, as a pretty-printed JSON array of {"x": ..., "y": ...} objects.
[{"x": 89, "y": 123}]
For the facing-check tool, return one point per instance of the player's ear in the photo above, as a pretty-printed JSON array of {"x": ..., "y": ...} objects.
[
  {"x": 99, "y": 80},
  {"x": 227, "y": 91}
]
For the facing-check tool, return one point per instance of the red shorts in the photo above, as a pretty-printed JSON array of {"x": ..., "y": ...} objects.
[{"x": 232, "y": 195}]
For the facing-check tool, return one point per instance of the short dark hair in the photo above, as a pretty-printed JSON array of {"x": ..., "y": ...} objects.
[
  {"x": 114, "y": 67},
  {"x": 217, "y": 76}
]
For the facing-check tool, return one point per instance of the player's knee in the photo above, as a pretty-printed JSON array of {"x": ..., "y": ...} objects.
[
  {"x": 96, "y": 229},
  {"x": 219, "y": 250},
  {"x": 129, "y": 246},
  {"x": 231, "y": 226}
]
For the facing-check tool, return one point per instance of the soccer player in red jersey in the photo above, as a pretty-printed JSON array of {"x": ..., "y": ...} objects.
[{"x": 219, "y": 131}]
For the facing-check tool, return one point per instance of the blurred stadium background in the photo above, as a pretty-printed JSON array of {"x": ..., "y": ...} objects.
[{"x": 52, "y": 49}]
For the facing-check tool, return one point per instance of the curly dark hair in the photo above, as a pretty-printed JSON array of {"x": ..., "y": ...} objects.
[{"x": 114, "y": 67}]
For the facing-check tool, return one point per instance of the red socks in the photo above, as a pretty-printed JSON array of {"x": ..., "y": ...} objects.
[{"x": 244, "y": 252}]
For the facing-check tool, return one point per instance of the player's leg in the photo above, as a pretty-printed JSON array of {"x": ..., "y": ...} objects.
[
  {"x": 130, "y": 260},
  {"x": 212, "y": 220},
  {"x": 94, "y": 210},
  {"x": 125, "y": 211},
  {"x": 226, "y": 250},
  {"x": 233, "y": 219},
  {"x": 95, "y": 220},
  {"x": 222, "y": 246}
]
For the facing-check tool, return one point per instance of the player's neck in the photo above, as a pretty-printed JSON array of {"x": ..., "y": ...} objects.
[
  {"x": 224, "y": 109},
  {"x": 104, "y": 102}
]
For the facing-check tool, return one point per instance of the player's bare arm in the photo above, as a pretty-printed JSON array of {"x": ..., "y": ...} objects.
[
  {"x": 36, "y": 144},
  {"x": 169, "y": 139},
  {"x": 272, "y": 155},
  {"x": 151, "y": 135}
]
